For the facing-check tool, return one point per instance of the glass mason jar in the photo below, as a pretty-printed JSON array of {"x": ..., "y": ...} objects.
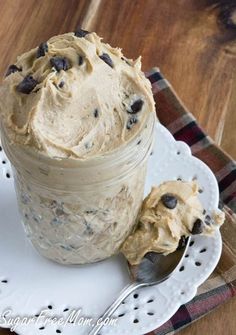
[{"x": 77, "y": 212}]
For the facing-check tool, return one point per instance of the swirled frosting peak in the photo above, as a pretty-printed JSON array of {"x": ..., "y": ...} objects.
[{"x": 74, "y": 96}]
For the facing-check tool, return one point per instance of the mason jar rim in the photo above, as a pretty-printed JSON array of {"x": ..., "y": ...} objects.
[{"x": 16, "y": 154}]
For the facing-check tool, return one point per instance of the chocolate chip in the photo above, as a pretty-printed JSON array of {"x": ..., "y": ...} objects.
[
  {"x": 208, "y": 220},
  {"x": 136, "y": 106},
  {"x": 139, "y": 142},
  {"x": 61, "y": 84},
  {"x": 197, "y": 227},
  {"x": 90, "y": 211},
  {"x": 88, "y": 145},
  {"x": 107, "y": 59},
  {"x": 96, "y": 113},
  {"x": 125, "y": 60},
  {"x": 182, "y": 242},
  {"x": 26, "y": 85},
  {"x": 60, "y": 63},
  {"x": 13, "y": 68},
  {"x": 89, "y": 230},
  {"x": 131, "y": 121},
  {"x": 81, "y": 60},
  {"x": 169, "y": 201},
  {"x": 59, "y": 212},
  {"x": 81, "y": 32},
  {"x": 42, "y": 49}
]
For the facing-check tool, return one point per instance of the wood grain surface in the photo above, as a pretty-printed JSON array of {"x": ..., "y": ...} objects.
[{"x": 192, "y": 41}]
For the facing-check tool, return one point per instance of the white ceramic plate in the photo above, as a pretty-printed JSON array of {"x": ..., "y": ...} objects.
[{"x": 30, "y": 283}]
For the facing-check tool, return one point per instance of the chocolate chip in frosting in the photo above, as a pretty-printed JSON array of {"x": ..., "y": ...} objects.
[
  {"x": 81, "y": 32},
  {"x": 96, "y": 113},
  {"x": 169, "y": 201},
  {"x": 131, "y": 121},
  {"x": 42, "y": 49},
  {"x": 197, "y": 227},
  {"x": 89, "y": 230},
  {"x": 60, "y": 63},
  {"x": 136, "y": 106},
  {"x": 90, "y": 211},
  {"x": 80, "y": 60},
  {"x": 61, "y": 84},
  {"x": 13, "y": 68},
  {"x": 182, "y": 242},
  {"x": 208, "y": 220},
  {"x": 107, "y": 59},
  {"x": 26, "y": 85},
  {"x": 88, "y": 145},
  {"x": 125, "y": 60}
]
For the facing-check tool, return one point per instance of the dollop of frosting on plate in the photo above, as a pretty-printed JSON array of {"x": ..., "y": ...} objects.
[{"x": 170, "y": 213}]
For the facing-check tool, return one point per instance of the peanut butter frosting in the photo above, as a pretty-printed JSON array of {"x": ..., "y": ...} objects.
[{"x": 74, "y": 96}]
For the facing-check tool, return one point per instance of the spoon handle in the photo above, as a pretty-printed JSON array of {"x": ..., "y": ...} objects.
[{"x": 108, "y": 313}]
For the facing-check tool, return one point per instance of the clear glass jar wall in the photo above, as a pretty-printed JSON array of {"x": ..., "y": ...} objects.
[{"x": 77, "y": 212}]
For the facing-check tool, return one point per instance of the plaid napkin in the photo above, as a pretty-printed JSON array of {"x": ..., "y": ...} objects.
[{"x": 222, "y": 283}]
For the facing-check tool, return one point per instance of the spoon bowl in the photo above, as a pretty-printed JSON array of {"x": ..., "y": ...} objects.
[{"x": 153, "y": 269}]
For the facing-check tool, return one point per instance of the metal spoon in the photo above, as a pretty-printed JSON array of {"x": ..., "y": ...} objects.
[{"x": 154, "y": 269}]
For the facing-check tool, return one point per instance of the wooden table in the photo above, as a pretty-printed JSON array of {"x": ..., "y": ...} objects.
[{"x": 192, "y": 41}]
